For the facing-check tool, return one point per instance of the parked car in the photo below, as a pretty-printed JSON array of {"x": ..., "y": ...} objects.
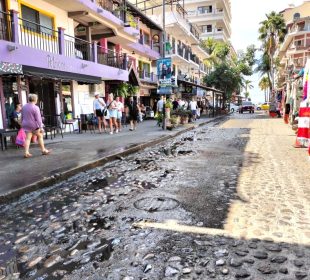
[
  {"x": 246, "y": 106},
  {"x": 233, "y": 107},
  {"x": 265, "y": 106},
  {"x": 258, "y": 107}
]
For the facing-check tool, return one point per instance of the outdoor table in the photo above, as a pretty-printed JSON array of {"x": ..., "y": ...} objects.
[{"x": 5, "y": 133}]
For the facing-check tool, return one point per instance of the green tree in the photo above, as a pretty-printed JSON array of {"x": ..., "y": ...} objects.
[
  {"x": 218, "y": 51},
  {"x": 272, "y": 32},
  {"x": 247, "y": 86},
  {"x": 228, "y": 74},
  {"x": 264, "y": 85}
]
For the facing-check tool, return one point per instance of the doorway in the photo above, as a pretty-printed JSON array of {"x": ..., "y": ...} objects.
[
  {"x": 46, "y": 95},
  {"x": 10, "y": 92}
]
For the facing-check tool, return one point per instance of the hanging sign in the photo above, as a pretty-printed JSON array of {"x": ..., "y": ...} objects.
[{"x": 164, "y": 72}]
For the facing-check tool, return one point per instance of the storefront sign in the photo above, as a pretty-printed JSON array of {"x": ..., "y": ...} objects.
[
  {"x": 164, "y": 72},
  {"x": 10, "y": 68},
  {"x": 55, "y": 64}
]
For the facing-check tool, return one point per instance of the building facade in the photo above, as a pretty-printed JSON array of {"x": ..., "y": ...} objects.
[
  {"x": 292, "y": 55},
  {"x": 182, "y": 45},
  {"x": 64, "y": 51},
  {"x": 213, "y": 18}
]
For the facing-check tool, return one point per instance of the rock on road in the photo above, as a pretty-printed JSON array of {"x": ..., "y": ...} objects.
[{"x": 229, "y": 200}]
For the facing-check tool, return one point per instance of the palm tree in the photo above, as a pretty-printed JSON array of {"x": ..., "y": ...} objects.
[
  {"x": 272, "y": 32},
  {"x": 218, "y": 52},
  {"x": 247, "y": 85},
  {"x": 264, "y": 84}
]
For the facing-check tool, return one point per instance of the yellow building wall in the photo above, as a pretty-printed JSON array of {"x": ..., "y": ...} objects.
[
  {"x": 61, "y": 18},
  {"x": 303, "y": 9}
]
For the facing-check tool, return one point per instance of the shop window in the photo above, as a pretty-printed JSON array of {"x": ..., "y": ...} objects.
[
  {"x": 67, "y": 101},
  {"x": 36, "y": 21}
]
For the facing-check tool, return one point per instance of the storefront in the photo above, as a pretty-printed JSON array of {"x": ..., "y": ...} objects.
[{"x": 55, "y": 90}]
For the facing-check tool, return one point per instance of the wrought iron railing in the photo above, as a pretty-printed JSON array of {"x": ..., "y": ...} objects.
[
  {"x": 43, "y": 38},
  {"x": 78, "y": 48},
  {"x": 194, "y": 31},
  {"x": 38, "y": 36},
  {"x": 106, "y": 4},
  {"x": 110, "y": 57}
]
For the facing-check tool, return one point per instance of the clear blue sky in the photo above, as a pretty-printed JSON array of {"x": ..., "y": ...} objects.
[{"x": 246, "y": 16}]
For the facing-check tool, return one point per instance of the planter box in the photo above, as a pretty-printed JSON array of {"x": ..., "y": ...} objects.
[{"x": 184, "y": 120}]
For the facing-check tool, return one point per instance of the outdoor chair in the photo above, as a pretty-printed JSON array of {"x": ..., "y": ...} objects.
[
  {"x": 65, "y": 122},
  {"x": 88, "y": 122},
  {"x": 52, "y": 125}
]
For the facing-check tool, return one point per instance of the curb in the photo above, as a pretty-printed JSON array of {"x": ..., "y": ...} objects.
[{"x": 98, "y": 162}]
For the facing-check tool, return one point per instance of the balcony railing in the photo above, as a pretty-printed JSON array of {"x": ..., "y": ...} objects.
[
  {"x": 299, "y": 28},
  {"x": 194, "y": 31},
  {"x": 147, "y": 76},
  {"x": 110, "y": 58},
  {"x": 39, "y": 37},
  {"x": 78, "y": 48}
]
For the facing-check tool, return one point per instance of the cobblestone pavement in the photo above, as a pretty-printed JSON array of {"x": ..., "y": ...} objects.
[
  {"x": 226, "y": 201},
  {"x": 274, "y": 184}
]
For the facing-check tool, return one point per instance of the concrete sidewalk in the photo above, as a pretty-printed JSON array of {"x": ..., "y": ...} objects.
[{"x": 75, "y": 153}]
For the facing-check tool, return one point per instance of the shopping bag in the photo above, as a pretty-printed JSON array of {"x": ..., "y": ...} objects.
[{"x": 20, "y": 138}]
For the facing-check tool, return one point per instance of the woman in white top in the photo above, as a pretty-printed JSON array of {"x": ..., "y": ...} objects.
[
  {"x": 112, "y": 108},
  {"x": 120, "y": 110},
  {"x": 99, "y": 106}
]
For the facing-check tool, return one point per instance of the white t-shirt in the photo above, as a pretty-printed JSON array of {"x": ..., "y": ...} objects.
[
  {"x": 160, "y": 105},
  {"x": 193, "y": 105},
  {"x": 120, "y": 106},
  {"x": 99, "y": 104}
]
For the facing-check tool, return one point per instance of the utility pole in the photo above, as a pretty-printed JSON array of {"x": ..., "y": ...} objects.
[{"x": 163, "y": 56}]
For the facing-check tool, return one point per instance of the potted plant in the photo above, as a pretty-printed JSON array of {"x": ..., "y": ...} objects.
[
  {"x": 168, "y": 107},
  {"x": 132, "y": 90},
  {"x": 159, "y": 118},
  {"x": 122, "y": 90},
  {"x": 175, "y": 120}
]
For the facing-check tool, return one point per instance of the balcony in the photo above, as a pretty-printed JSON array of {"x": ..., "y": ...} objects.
[
  {"x": 147, "y": 76},
  {"x": 30, "y": 44},
  {"x": 33, "y": 35},
  {"x": 217, "y": 15},
  {"x": 217, "y": 33},
  {"x": 176, "y": 22}
]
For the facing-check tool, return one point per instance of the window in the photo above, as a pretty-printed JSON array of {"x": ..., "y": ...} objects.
[
  {"x": 207, "y": 28},
  {"x": 205, "y": 9},
  {"x": 36, "y": 21},
  {"x": 146, "y": 39},
  {"x": 296, "y": 16},
  {"x": 298, "y": 43}
]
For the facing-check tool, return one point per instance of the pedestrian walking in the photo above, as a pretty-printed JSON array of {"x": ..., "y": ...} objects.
[
  {"x": 99, "y": 111},
  {"x": 120, "y": 110},
  {"x": 112, "y": 109},
  {"x": 133, "y": 113},
  {"x": 193, "y": 107},
  {"x": 160, "y": 105},
  {"x": 175, "y": 104},
  {"x": 33, "y": 125}
]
